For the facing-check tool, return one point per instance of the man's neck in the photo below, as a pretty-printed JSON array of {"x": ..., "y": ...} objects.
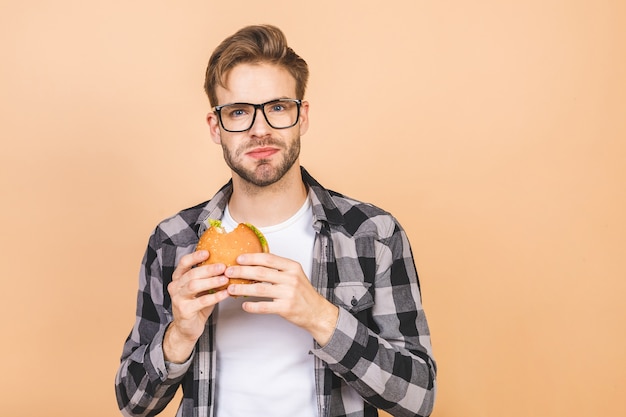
[{"x": 270, "y": 205}]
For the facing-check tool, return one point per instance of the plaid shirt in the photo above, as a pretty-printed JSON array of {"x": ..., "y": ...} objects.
[{"x": 379, "y": 356}]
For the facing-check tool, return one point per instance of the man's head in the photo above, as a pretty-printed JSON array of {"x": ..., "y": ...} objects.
[
  {"x": 256, "y": 84},
  {"x": 254, "y": 45}
]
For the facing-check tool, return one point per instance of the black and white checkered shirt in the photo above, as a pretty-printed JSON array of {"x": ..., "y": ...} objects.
[{"x": 379, "y": 356}]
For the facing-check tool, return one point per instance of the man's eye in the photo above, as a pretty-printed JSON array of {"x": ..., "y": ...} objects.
[
  {"x": 277, "y": 107},
  {"x": 234, "y": 113}
]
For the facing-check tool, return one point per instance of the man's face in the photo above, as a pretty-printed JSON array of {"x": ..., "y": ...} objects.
[{"x": 261, "y": 155}]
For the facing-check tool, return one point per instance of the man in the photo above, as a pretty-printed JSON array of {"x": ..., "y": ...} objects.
[{"x": 334, "y": 327}]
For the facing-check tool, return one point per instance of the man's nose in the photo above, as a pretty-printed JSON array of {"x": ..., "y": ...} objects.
[{"x": 260, "y": 127}]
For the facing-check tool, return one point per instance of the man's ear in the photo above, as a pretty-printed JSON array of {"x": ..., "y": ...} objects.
[
  {"x": 304, "y": 117},
  {"x": 214, "y": 127}
]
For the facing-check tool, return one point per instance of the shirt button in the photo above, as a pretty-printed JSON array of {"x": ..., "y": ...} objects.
[{"x": 354, "y": 301}]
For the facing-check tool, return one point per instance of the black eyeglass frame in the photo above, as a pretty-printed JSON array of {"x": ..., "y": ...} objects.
[{"x": 218, "y": 111}]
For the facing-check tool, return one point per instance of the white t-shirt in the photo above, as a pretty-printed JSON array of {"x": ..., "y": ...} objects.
[{"x": 264, "y": 367}]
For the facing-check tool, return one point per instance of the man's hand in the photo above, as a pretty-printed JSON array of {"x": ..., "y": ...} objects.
[
  {"x": 292, "y": 295},
  {"x": 190, "y": 310}
]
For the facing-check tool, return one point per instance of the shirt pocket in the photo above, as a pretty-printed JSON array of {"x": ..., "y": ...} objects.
[{"x": 353, "y": 296}]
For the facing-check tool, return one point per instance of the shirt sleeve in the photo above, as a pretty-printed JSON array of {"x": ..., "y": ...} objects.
[
  {"x": 176, "y": 370},
  {"x": 392, "y": 368},
  {"x": 145, "y": 383}
]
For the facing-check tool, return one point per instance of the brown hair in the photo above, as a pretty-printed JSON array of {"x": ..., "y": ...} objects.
[{"x": 251, "y": 45}]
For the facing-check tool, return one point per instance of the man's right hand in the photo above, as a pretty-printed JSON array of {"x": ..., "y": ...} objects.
[{"x": 190, "y": 310}]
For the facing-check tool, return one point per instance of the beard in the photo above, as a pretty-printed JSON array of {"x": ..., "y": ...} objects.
[{"x": 263, "y": 173}]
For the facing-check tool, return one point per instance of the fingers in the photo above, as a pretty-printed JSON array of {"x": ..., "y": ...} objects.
[
  {"x": 269, "y": 283},
  {"x": 189, "y": 261},
  {"x": 267, "y": 260},
  {"x": 198, "y": 280},
  {"x": 190, "y": 280},
  {"x": 188, "y": 308},
  {"x": 264, "y": 267},
  {"x": 198, "y": 287}
]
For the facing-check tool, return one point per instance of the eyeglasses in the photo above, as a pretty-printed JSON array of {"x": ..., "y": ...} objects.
[{"x": 281, "y": 113}]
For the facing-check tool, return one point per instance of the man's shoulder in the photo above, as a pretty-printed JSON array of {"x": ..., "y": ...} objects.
[
  {"x": 361, "y": 217},
  {"x": 350, "y": 206},
  {"x": 348, "y": 215}
]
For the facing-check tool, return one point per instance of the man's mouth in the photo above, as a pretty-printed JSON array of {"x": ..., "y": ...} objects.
[{"x": 262, "y": 153}]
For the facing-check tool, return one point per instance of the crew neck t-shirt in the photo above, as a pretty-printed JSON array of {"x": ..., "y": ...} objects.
[{"x": 264, "y": 364}]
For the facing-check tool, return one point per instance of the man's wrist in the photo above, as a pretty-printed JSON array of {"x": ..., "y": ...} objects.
[
  {"x": 176, "y": 349},
  {"x": 325, "y": 325}
]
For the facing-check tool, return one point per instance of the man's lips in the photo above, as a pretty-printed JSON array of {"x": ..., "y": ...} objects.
[{"x": 262, "y": 153}]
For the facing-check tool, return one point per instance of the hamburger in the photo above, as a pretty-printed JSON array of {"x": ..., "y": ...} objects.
[{"x": 224, "y": 247}]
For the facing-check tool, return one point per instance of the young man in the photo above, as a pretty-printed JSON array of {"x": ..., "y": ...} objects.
[{"x": 335, "y": 325}]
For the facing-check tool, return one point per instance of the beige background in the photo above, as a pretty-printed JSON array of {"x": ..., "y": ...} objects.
[{"x": 494, "y": 130}]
